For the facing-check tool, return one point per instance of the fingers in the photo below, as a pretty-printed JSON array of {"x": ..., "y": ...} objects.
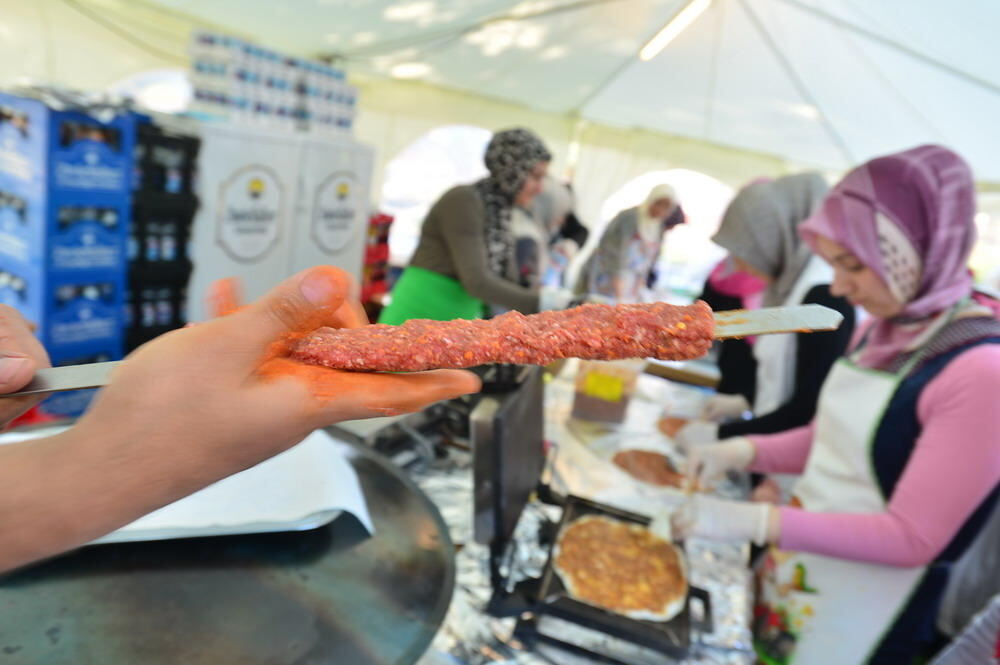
[
  {"x": 20, "y": 351},
  {"x": 303, "y": 302},
  {"x": 20, "y": 355},
  {"x": 341, "y": 395},
  {"x": 693, "y": 467},
  {"x": 225, "y": 296},
  {"x": 351, "y": 315}
]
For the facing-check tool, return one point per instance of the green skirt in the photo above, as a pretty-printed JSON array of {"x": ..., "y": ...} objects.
[{"x": 424, "y": 294}]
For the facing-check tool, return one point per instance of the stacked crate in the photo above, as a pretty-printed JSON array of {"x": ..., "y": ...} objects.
[
  {"x": 163, "y": 209},
  {"x": 64, "y": 217}
]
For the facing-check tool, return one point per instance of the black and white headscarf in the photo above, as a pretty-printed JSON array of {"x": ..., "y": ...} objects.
[{"x": 510, "y": 157}]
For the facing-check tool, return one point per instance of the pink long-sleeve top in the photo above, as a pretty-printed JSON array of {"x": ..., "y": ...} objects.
[{"x": 954, "y": 466}]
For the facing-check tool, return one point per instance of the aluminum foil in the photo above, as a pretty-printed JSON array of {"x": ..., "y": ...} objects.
[{"x": 469, "y": 636}]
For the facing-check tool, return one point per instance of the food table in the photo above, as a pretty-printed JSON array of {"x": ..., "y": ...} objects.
[
  {"x": 577, "y": 460},
  {"x": 331, "y": 595}
]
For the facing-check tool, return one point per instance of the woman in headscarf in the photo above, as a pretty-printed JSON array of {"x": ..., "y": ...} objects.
[
  {"x": 464, "y": 263},
  {"x": 547, "y": 235},
  {"x": 899, "y": 469},
  {"x": 624, "y": 261},
  {"x": 760, "y": 231}
]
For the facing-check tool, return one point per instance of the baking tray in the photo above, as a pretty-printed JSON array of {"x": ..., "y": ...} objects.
[{"x": 672, "y": 637}]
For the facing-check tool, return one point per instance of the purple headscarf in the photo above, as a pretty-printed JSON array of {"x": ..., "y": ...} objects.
[{"x": 909, "y": 217}]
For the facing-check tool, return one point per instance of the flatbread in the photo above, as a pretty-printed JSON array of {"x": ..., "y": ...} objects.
[
  {"x": 622, "y": 568},
  {"x": 649, "y": 467},
  {"x": 670, "y": 425}
]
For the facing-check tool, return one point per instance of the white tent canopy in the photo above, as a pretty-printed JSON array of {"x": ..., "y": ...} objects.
[{"x": 827, "y": 83}]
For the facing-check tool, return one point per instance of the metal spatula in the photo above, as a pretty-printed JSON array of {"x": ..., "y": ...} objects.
[{"x": 736, "y": 323}]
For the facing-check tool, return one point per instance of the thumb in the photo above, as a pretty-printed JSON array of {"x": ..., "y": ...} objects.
[
  {"x": 16, "y": 371},
  {"x": 303, "y": 302}
]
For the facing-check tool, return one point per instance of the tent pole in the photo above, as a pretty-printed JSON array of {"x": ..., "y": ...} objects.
[{"x": 799, "y": 83}]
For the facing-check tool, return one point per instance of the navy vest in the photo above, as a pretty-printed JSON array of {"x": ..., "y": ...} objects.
[{"x": 895, "y": 439}]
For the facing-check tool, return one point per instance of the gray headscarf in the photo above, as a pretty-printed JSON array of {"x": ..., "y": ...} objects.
[
  {"x": 761, "y": 224},
  {"x": 510, "y": 157}
]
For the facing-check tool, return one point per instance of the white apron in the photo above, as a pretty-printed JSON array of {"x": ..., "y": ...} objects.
[
  {"x": 817, "y": 609},
  {"x": 775, "y": 354}
]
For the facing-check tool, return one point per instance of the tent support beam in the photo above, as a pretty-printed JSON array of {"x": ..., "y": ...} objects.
[
  {"x": 799, "y": 84},
  {"x": 889, "y": 43}
]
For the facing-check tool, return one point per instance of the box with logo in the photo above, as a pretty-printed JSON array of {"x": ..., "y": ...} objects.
[
  {"x": 64, "y": 151},
  {"x": 71, "y": 314},
  {"x": 248, "y": 186},
  {"x": 336, "y": 180},
  {"x": 64, "y": 234}
]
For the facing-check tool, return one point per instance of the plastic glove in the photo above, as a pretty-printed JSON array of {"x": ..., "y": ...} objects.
[
  {"x": 723, "y": 520},
  {"x": 566, "y": 249},
  {"x": 720, "y": 408},
  {"x": 696, "y": 433},
  {"x": 707, "y": 464},
  {"x": 20, "y": 355},
  {"x": 550, "y": 297}
]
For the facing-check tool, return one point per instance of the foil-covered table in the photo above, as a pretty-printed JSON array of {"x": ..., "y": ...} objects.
[{"x": 470, "y": 636}]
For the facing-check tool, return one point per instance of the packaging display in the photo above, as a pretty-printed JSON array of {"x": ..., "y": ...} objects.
[
  {"x": 242, "y": 81},
  {"x": 274, "y": 203},
  {"x": 159, "y": 240},
  {"x": 64, "y": 218},
  {"x": 335, "y": 180}
]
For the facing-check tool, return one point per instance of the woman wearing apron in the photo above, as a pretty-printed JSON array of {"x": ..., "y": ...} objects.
[
  {"x": 465, "y": 262},
  {"x": 624, "y": 261},
  {"x": 760, "y": 231},
  {"x": 900, "y": 468}
]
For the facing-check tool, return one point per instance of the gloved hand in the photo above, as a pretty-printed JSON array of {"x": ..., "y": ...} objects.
[
  {"x": 724, "y": 520},
  {"x": 566, "y": 249},
  {"x": 696, "y": 433},
  {"x": 720, "y": 408},
  {"x": 706, "y": 464},
  {"x": 550, "y": 297}
]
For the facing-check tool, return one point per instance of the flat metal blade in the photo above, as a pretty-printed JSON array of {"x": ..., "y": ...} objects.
[
  {"x": 71, "y": 377},
  {"x": 771, "y": 320}
]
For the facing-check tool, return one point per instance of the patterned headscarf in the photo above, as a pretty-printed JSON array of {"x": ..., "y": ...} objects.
[
  {"x": 761, "y": 225},
  {"x": 909, "y": 217},
  {"x": 510, "y": 157}
]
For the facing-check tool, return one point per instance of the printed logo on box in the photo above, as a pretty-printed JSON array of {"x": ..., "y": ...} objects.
[
  {"x": 13, "y": 162},
  {"x": 335, "y": 208},
  {"x": 249, "y": 213},
  {"x": 82, "y": 169}
]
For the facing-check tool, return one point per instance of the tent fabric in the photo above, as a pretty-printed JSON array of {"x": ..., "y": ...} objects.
[
  {"x": 824, "y": 83},
  {"x": 817, "y": 83}
]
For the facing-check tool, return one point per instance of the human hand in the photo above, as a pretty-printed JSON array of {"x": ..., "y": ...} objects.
[
  {"x": 550, "y": 297},
  {"x": 566, "y": 249},
  {"x": 20, "y": 355},
  {"x": 720, "y": 408},
  {"x": 224, "y": 395},
  {"x": 724, "y": 520},
  {"x": 768, "y": 491},
  {"x": 706, "y": 464},
  {"x": 696, "y": 433}
]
